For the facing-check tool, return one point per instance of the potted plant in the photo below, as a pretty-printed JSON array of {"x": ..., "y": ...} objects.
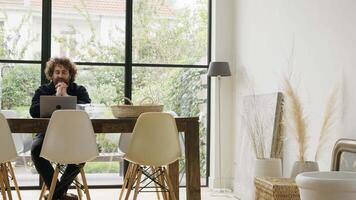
[
  {"x": 256, "y": 124},
  {"x": 297, "y": 121}
]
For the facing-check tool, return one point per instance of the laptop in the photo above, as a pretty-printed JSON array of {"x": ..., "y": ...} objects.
[{"x": 48, "y": 104}]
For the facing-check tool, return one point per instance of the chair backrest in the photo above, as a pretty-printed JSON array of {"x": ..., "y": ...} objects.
[
  {"x": 155, "y": 140},
  {"x": 124, "y": 141},
  {"x": 125, "y": 138},
  {"x": 181, "y": 135},
  {"x": 7, "y": 146},
  {"x": 18, "y": 140},
  {"x": 69, "y": 138}
]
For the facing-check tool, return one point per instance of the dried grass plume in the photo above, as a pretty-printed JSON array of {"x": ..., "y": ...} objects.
[
  {"x": 328, "y": 122},
  {"x": 295, "y": 117}
]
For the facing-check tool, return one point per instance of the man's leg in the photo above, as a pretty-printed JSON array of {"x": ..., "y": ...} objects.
[
  {"x": 68, "y": 177},
  {"x": 43, "y": 166}
]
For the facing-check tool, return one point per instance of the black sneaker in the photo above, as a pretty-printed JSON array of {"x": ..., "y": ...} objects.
[{"x": 69, "y": 196}]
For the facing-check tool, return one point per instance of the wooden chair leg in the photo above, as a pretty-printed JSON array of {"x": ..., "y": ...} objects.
[
  {"x": 43, "y": 190},
  {"x": 162, "y": 182},
  {"x": 126, "y": 178},
  {"x": 137, "y": 187},
  {"x": 85, "y": 184},
  {"x": 131, "y": 180},
  {"x": 11, "y": 170},
  {"x": 6, "y": 180},
  {"x": 79, "y": 191},
  {"x": 54, "y": 182},
  {"x": 170, "y": 186},
  {"x": 2, "y": 185}
]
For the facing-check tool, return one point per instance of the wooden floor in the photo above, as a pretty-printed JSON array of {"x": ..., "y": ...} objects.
[{"x": 107, "y": 194}]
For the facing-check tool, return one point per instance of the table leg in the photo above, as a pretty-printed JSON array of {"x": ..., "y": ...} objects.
[
  {"x": 192, "y": 161},
  {"x": 173, "y": 172}
]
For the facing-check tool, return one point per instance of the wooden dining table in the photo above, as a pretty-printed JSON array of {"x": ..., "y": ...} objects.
[{"x": 188, "y": 125}]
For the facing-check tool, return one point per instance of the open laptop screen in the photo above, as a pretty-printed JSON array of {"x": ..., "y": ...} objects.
[{"x": 48, "y": 104}]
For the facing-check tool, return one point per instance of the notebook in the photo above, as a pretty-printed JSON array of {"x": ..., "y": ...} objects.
[{"x": 48, "y": 104}]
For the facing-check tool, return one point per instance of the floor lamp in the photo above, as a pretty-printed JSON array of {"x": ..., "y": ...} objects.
[{"x": 218, "y": 70}]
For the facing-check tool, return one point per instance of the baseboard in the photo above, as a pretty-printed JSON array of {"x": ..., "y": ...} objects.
[{"x": 227, "y": 183}]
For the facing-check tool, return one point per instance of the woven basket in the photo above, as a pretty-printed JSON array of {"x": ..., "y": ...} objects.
[
  {"x": 135, "y": 110},
  {"x": 268, "y": 188}
]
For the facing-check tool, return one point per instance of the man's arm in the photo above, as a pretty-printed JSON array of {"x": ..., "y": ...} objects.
[
  {"x": 83, "y": 96},
  {"x": 35, "y": 105}
]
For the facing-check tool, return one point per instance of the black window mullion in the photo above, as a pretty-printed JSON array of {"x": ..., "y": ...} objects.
[
  {"x": 168, "y": 65},
  {"x": 128, "y": 58},
  {"x": 45, "y": 43},
  {"x": 46, "y": 36},
  {"x": 128, "y": 50}
]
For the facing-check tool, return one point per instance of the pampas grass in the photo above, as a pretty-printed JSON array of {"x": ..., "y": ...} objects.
[
  {"x": 328, "y": 122},
  {"x": 254, "y": 122},
  {"x": 256, "y": 132},
  {"x": 296, "y": 114}
]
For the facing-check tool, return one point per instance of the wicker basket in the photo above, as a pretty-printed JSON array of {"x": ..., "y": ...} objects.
[
  {"x": 268, "y": 188},
  {"x": 135, "y": 110}
]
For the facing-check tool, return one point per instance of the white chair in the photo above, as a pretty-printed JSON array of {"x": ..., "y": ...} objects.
[
  {"x": 154, "y": 143},
  {"x": 124, "y": 142},
  {"x": 182, "y": 147},
  {"x": 20, "y": 140},
  {"x": 7, "y": 153},
  {"x": 69, "y": 139}
]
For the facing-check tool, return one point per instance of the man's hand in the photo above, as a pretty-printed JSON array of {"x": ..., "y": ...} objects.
[{"x": 61, "y": 89}]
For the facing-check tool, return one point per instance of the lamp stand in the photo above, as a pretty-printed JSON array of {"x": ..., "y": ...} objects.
[{"x": 221, "y": 191}]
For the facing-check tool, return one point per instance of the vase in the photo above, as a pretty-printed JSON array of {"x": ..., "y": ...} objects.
[
  {"x": 269, "y": 167},
  {"x": 304, "y": 166}
]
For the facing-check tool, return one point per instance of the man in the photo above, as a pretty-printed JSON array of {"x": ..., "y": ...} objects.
[{"x": 61, "y": 73}]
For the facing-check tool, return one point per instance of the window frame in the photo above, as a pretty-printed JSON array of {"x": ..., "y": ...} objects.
[{"x": 128, "y": 65}]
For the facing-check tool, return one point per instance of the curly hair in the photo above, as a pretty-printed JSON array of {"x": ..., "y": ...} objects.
[{"x": 65, "y": 62}]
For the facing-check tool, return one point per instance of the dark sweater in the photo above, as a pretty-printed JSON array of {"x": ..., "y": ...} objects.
[{"x": 49, "y": 89}]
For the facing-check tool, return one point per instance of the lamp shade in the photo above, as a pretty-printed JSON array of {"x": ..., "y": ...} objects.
[{"x": 219, "y": 69}]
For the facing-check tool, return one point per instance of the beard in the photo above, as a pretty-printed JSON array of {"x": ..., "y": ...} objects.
[{"x": 59, "y": 80}]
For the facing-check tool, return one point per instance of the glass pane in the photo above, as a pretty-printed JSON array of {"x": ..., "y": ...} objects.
[
  {"x": 105, "y": 86},
  {"x": 18, "y": 84},
  {"x": 170, "y": 32},
  {"x": 20, "y": 30},
  {"x": 182, "y": 91},
  {"x": 89, "y": 31}
]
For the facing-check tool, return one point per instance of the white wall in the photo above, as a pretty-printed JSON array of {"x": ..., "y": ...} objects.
[{"x": 315, "y": 39}]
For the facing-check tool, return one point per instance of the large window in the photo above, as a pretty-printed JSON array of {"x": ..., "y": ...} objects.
[
  {"x": 20, "y": 72},
  {"x": 133, "y": 48}
]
